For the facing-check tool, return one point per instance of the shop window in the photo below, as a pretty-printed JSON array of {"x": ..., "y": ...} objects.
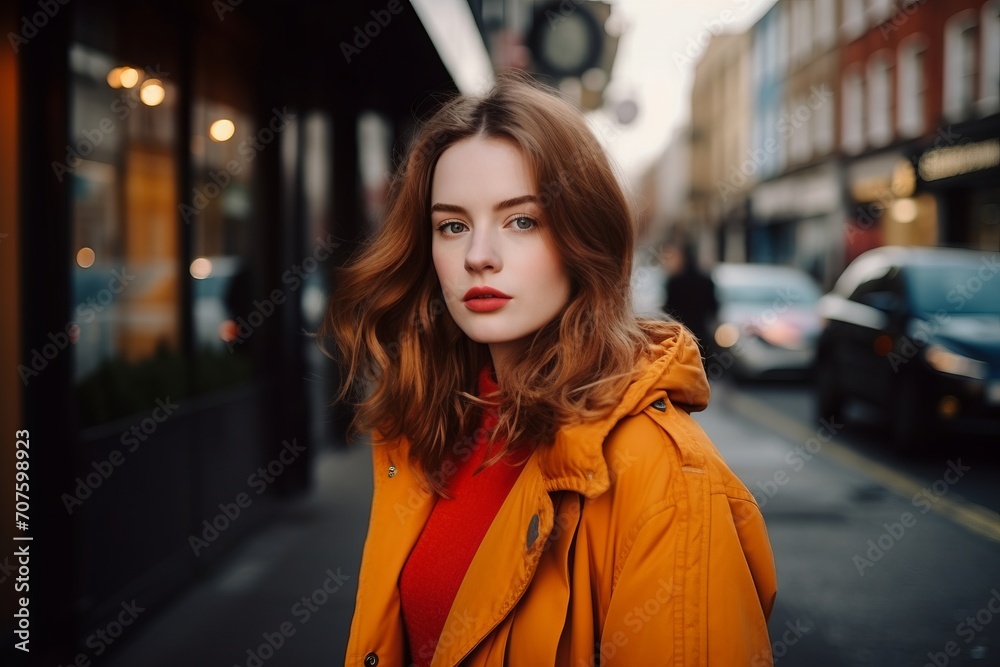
[
  {"x": 224, "y": 239},
  {"x": 123, "y": 208},
  {"x": 959, "y": 66},
  {"x": 912, "y": 86},
  {"x": 317, "y": 179},
  {"x": 374, "y": 157}
]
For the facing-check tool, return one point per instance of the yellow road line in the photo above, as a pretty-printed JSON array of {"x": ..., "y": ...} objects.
[{"x": 969, "y": 515}]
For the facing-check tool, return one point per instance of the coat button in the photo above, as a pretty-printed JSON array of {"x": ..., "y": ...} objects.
[
  {"x": 392, "y": 473},
  {"x": 371, "y": 660},
  {"x": 660, "y": 405},
  {"x": 532, "y": 530}
]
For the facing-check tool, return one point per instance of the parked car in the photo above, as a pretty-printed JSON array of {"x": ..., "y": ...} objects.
[
  {"x": 767, "y": 322},
  {"x": 916, "y": 333}
]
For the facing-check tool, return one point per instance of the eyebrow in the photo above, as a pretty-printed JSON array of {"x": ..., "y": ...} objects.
[{"x": 499, "y": 206}]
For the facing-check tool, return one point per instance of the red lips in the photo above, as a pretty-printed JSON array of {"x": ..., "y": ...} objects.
[
  {"x": 485, "y": 299},
  {"x": 484, "y": 293}
]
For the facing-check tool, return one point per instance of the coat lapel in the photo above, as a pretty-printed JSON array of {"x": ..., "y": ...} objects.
[{"x": 502, "y": 567}]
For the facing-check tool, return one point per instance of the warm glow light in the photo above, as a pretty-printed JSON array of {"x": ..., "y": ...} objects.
[
  {"x": 222, "y": 130},
  {"x": 782, "y": 334},
  {"x": 961, "y": 159},
  {"x": 85, "y": 257},
  {"x": 201, "y": 268},
  {"x": 228, "y": 331},
  {"x": 904, "y": 179},
  {"x": 883, "y": 345},
  {"x": 115, "y": 77},
  {"x": 152, "y": 93},
  {"x": 949, "y": 407},
  {"x": 727, "y": 334},
  {"x": 128, "y": 77},
  {"x": 904, "y": 210}
]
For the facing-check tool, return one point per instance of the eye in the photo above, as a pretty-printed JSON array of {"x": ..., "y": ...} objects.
[
  {"x": 451, "y": 228},
  {"x": 523, "y": 223}
]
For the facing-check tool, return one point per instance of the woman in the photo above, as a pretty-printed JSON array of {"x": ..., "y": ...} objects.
[{"x": 542, "y": 496}]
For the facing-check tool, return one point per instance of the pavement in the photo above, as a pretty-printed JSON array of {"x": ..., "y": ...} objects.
[{"x": 283, "y": 597}]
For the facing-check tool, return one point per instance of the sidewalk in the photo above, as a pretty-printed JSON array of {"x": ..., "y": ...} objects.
[{"x": 270, "y": 602}]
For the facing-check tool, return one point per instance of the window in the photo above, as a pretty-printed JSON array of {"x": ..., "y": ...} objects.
[
  {"x": 879, "y": 101},
  {"x": 823, "y": 125},
  {"x": 125, "y": 243},
  {"x": 912, "y": 86},
  {"x": 989, "y": 92},
  {"x": 825, "y": 21},
  {"x": 852, "y": 118},
  {"x": 797, "y": 133},
  {"x": 880, "y": 10},
  {"x": 854, "y": 19},
  {"x": 801, "y": 29},
  {"x": 757, "y": 70},
  {"x": 781, "y": 158},
  {"x": 959, "y": 66},
  {"x": 783, "y": 40}
]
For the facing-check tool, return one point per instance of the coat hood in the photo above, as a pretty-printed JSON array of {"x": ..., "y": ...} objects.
[{"x": 671, "y": 371}]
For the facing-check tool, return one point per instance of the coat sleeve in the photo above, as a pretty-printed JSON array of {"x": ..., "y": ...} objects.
[{"x": 695, "y": 583}]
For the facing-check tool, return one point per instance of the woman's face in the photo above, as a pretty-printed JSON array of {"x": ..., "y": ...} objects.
[{"x": 499, "y": 271}]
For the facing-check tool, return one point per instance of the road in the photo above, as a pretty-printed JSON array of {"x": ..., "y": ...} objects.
[{"x": 882, "y": 559}]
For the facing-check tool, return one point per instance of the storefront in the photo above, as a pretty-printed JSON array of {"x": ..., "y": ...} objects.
[
  {"x": 797, "y": 219},
  {"x": 961, "y": 174},
  {"x": 188, "y": 174}
]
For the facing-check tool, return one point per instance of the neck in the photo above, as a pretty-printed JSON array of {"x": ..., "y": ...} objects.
[{"x": 503, "y": 356}]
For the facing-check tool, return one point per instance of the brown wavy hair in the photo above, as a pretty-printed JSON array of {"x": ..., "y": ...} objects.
[{"x": 394, "y": 336}]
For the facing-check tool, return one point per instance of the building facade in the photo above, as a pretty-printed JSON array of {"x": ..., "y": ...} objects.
[
  {"x": 719, "y": 145},
  {"x": 920, "y": 129},
  {"x": 796, "y": 211}
]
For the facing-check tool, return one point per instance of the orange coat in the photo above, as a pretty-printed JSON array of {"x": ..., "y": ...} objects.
[{"x": 628, "y": 537}]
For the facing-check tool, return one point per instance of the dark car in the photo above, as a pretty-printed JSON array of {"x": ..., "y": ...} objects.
[{"x": 916, "y": 333}]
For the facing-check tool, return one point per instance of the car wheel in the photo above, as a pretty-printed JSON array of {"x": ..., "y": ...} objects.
[{"x": 829, "y": 399}]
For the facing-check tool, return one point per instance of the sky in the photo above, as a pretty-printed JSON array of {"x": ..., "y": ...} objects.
[{"x": 654, "y": 66}]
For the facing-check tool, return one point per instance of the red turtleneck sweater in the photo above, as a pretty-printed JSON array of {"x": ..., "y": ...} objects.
[{"x": 452, "y": 535}]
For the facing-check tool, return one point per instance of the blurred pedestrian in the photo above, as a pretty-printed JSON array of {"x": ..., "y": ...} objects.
[
  {"x": 690, "y": 293},
  {"x": 542, "y": 495}
]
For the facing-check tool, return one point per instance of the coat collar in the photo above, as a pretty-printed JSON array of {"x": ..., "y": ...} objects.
[{"x": 672, "y": 371}]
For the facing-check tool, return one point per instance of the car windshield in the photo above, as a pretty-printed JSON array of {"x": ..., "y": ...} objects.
[{"x": 955, "y": 288}]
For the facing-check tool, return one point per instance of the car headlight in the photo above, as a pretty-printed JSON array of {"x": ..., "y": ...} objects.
[
  {"x": 944, "y": 360},
  {"x": 782, "y": 334},
  {"x": 727, "y": 334}
]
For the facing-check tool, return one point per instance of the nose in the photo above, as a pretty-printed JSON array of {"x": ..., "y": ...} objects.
[{"x": 483, "y": 253}]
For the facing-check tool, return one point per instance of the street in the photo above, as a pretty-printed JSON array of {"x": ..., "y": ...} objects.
[{"x": 882, "y": 560}]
